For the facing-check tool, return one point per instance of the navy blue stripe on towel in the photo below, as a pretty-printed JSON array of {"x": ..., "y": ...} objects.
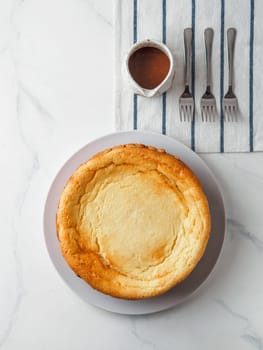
[
  {"x": 164, "y": 113},
  {"x": 164, "y": 21},
  {"x": 222, "y": 42},
  {"x": 135, "y": 9},
  {"x": 164, "y": 41},
  {"x": 251, "y": 76},
  {"x": 135, "y": 111},
  {"x": 193, "y": 75},
  {"x": 135, "y": 98}
]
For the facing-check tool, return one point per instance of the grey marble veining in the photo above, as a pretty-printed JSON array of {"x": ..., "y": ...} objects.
[
  {"x": 141, "y": 339},
  {"x": 19, "y": 203},
  {"x": 3, "y": 49},
  {"x": 248, "y": 332},
  {"x": 93, "y": 7},
  {"x": 48, "y": 110},
  {"x": 255, "y": 341},
  {"x": 42, "y": 110},
  {"x": 237, "y": 229},
  {"x": 19, "y": 291}
]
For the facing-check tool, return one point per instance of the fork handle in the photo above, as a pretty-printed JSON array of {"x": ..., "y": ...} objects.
[
  {"x": 231, "y": 38},
  {"x": 209, "y": 34},
  {"x": 188, "y": 51}
]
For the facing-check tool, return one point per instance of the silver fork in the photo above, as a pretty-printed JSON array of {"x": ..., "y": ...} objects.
[
  {"x": 208, "y": 101},
  {"x": 230, "y": 105},
  {"x": 186, "y": 100}
]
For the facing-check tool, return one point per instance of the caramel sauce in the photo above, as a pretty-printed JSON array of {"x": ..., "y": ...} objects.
[{"x": 149, "y": 66}]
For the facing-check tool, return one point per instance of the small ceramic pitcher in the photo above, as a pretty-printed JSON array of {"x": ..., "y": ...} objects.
[{"x": 166, "y": 83}]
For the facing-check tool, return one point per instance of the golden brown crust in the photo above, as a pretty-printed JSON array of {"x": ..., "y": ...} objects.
[{"x": 133, "y": 221}]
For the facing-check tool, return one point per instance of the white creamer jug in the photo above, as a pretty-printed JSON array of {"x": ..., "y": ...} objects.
[{"x": 153, "y": 77}]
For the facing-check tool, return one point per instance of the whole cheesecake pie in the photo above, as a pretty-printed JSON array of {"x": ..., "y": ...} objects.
[{"x": 133, "y": 221}]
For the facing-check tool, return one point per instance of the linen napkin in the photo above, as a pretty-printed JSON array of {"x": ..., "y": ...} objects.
[{"x": 165, "y": 21}]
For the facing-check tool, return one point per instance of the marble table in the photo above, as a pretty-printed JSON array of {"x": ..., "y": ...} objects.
[{"x": 56, "y": 83}]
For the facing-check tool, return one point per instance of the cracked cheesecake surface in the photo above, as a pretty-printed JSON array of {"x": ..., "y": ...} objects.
[{"x": 133, "y": 221}]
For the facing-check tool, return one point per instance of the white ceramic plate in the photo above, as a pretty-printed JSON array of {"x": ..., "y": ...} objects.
[{"x": 180, "y": 292}]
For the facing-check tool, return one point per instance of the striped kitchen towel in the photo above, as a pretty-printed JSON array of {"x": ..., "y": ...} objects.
[{"x": 165, "y": 20}]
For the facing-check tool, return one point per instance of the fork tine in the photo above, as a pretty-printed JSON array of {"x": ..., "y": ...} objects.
[
  {"x": 204, "y": 112},
  {"x": 180, "y": 111},
  {"x": 186, "y": 107},
  {"x": 183, "y": 109},
  {"x": 236, "y": 115},
  {"x": 190, "y": 113},
  {"x": 225, "y": 113},
  {"x": 231, "y": 113},
  {"x": 230, "y": 108}
]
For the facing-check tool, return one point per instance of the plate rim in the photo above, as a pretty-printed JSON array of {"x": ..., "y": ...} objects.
[{"x": 141, "y": 134}]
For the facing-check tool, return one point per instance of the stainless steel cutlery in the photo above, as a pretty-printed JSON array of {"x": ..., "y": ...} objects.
[
  {"x": 230, "y": 105},
  {"x": 186, "y": 100},
  {"x": 208, "y": 100}
]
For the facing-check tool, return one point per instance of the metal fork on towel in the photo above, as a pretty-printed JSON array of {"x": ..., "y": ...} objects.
[
  {"x": 208, "y": 101},
  {"x": 230, "y": 105},
  {"x": 186, "y": 100}
]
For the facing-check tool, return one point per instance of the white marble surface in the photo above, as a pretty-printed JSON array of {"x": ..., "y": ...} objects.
[{"x": 56, "y": 83}]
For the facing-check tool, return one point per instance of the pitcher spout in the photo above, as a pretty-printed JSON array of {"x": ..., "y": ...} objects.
[{"x": 149, "y": 93}]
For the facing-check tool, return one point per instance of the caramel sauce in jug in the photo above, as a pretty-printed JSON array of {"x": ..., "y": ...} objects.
[{"x": 149, "y": 66}]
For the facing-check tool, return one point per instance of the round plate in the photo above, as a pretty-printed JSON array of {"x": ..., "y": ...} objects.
[{"x": 183, "y": 290}]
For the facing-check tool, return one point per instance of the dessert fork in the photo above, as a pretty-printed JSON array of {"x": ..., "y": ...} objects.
[
  {"x": 186, "y": 100},
  {"x": 230, "y": 105},
  {"x": 208, "y": 101}
]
